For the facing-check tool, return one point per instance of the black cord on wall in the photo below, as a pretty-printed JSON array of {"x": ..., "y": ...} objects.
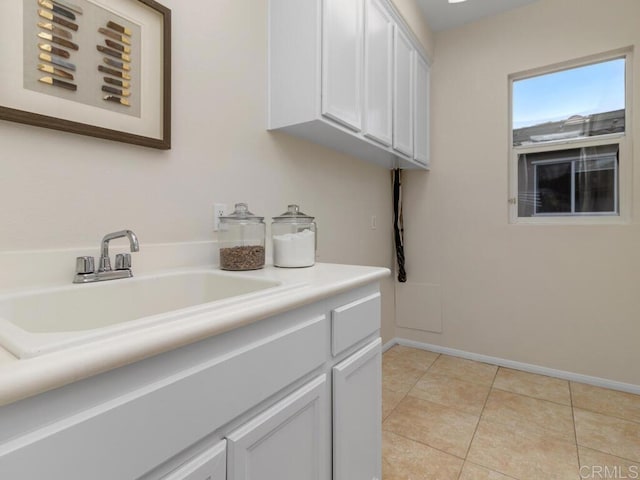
[{"x": 397, "y": 224}]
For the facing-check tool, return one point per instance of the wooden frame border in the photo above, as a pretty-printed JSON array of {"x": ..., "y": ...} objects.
[{"x": 164, "y": 143}]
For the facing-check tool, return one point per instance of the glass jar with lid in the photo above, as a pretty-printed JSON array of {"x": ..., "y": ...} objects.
[
  {"x": 242, "y": 236},
  {"x": 294, "y": 239}
]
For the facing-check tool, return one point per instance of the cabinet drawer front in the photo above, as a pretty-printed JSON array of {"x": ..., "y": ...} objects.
[
  {"x": 160, "y": 419},
  {"x": 353, "y": 322}
]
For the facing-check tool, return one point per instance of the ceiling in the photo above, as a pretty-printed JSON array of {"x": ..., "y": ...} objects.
[{"x": 442, "y": 15}]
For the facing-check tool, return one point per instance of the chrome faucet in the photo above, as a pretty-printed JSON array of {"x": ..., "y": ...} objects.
[{"x": 85, "y": 266}]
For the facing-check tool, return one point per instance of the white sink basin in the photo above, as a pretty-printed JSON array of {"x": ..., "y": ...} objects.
[{"x": 36, "y": 322}]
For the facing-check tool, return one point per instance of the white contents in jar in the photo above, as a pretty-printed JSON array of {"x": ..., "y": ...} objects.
[{"x": 294, "y": 249}]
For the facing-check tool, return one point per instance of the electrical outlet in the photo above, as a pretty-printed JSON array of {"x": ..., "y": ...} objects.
[{"x": 218, "y": 211}]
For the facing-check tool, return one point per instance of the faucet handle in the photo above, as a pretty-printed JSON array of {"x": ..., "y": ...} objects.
[
  {"x": 85, "y": 265},
  {"x": 123, "y": 261},
  {"x": 105, "y": 264}
]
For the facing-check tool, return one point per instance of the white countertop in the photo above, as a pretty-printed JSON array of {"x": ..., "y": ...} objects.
[{"x": 21, "y": 378}]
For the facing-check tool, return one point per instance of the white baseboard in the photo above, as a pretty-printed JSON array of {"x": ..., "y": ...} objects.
[
  {"x": 390, "y": 344},
  {"x": 525, "y": 367}
]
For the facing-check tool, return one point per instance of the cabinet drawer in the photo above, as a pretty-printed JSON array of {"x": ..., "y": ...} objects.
[{"x": 353, "y": 322}]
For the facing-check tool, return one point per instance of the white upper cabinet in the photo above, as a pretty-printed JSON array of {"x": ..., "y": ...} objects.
[
  {"x": 421, "y": 124},
  {"x": 378, "y": 72},
  {"x": 342, "y": 49},
  {"x": 341, "y": 74},
  {"x": 403, "y": 94}
]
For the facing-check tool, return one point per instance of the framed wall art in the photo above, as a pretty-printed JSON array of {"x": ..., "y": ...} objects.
[{"x": 94, "y": 67}]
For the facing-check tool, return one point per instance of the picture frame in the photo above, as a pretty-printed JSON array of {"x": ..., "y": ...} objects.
[{"x": 139, "y": 114}]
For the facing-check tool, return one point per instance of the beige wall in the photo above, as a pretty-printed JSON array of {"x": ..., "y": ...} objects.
[
  {"x": 565, "y": 297},
  {"x": 60, "y": 190}
]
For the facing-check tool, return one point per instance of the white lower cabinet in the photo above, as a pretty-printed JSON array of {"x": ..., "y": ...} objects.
[
  {"x": 210, "y": 465},
  {"x": 287, "y": 442},
  {"x": 357, "y": 412},
  {"x": 253, "y": 403}
]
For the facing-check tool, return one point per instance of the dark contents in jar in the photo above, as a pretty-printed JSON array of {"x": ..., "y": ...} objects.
[{"x": 242, "y": 258}]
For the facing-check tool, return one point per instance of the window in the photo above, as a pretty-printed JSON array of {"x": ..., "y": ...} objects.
[
  {"x": 579, "y": 181},
  {"x": 568, "y": 142}
]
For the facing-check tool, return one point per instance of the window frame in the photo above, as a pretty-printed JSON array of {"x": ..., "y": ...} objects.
[
  {"x": 616, "y": 188},
  {"x": 623, "y": 140}
]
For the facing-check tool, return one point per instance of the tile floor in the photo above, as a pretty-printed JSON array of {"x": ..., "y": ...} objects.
[{"x": 449, "y": 418}]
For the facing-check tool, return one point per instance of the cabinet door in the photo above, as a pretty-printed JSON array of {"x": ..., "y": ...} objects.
[
  {"x": 210, "y": 465},
  {"x": 378, "y": 72},
  {"x": 403, "y": 94},
  {"x": 421, "y": 131},
  {"x": 289, "y": 441},
  {"x": 342, "y": 59},
  {"x": 357, "y": 415}
]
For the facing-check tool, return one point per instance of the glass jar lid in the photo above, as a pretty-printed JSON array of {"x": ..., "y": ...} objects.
[
  {"x": 241, "y": 214},
  {"x": 293, "y": 214}
]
